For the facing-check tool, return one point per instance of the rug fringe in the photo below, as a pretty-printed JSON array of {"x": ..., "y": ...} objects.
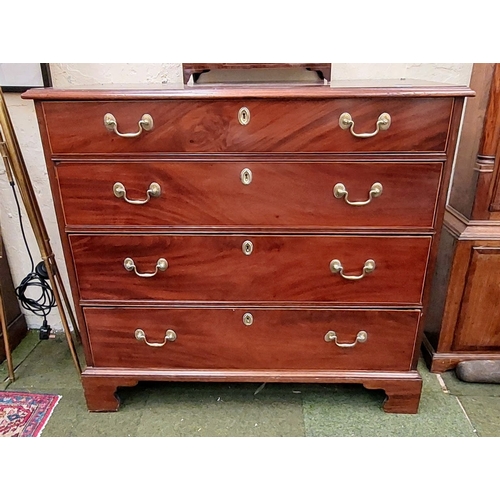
[{"x": 47, "y": 417}]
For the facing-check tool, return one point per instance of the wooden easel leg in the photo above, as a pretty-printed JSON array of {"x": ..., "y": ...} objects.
[
  {"x": 15, "y": 168},
  {"x": 60, "y": 307},
  {"x": 65, "y": 299}
]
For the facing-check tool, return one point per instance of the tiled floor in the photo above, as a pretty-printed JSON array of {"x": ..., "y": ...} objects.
[{"x": 448, "y": 407}]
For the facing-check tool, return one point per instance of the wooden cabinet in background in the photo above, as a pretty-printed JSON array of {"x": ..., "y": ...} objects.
[
  {"x": 464, "y": 316},
  {"x": 16, "y": 323}
]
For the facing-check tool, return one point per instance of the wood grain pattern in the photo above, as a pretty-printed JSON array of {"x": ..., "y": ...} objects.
[
  {"x": 403, "y": 388},
  {"x": 465, "y": 176},
  {"x": 482, "y": 293},
  {"x": 439, "y": 362},
  {"x": 100, "y": 392},
  {"x": 275, "y": 126},
  {"x": 490, "y": 138},
  {"x": 296, "y": 149},
  {"x": 456, "y": 285},
  {"x": 452, "y": 143},
  {"x": 294, "y": 195},
  {"x": 338, "y": 89},
  {"x": 490, "y": 143},
  {"x": 61, "y": 226},
  {"x": 470, "y": 324},
  {"x": 277, "y": 339},
  {"x": 403, "y": 396},
  {"x": 495, "y": 196},
  {"x": 470, "y": 310},
  {"x": 214, "y": 268},
  {"x": 440, "y": 280}
]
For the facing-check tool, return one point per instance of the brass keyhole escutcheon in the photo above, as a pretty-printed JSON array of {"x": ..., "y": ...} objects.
[
  {"x": 246, "y": 176},
  {"x": 247, "y": 247},
  {"x": 244, "y": 116},
  {"x": 247, "y": 319}
]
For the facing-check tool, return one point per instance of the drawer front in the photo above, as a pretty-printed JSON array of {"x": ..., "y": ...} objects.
[
  {"x": 275, "y": 339},
  {"x": 299, "y": 195},
  {"x": 216, "y": 268},
  {"x": 275, "y": 125}
]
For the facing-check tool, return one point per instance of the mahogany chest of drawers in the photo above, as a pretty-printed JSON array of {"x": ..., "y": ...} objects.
[{"x": 251, "y": 233}]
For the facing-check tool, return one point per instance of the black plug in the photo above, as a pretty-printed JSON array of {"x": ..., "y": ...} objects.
[
  {"x": 45, "y": 330},
  {"x": 41, "y": 270}
]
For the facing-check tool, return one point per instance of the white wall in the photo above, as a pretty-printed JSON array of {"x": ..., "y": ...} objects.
[
  {"x": 73, "y": 75},
  {"x": 434, "y": 72}
]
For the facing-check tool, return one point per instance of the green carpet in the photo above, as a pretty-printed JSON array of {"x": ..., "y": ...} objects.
[{"x": 227, "y": 409}]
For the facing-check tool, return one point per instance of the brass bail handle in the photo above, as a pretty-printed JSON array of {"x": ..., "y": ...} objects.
[
  {"x": 145, "y": 123},
  {"x": 161, "y": 265},
  {"x": 383, "y": 123},
  {"x": 339, "y": 191},
  {"x": 336, "y": 267},
  {"x": 361, "y": 337},
  {"x": 170, "y": 336},
  {"x": 154, "y": 191}
]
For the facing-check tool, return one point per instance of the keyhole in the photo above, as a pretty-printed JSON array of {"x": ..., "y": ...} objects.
[
  {"x": 246, "y": 176},
  {"x": 247, "y": 247},
  {"x": 244, "y": 116}
]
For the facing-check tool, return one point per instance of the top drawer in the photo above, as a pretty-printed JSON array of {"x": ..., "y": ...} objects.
[{"x": 272, "y": 125}]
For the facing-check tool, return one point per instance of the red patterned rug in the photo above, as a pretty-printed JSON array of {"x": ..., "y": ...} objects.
[{"x": 24, "y": 414}]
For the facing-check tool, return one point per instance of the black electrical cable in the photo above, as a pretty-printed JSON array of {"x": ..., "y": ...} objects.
[{"x": 36, "y": 279}]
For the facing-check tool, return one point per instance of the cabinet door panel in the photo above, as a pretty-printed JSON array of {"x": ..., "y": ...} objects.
[{"x": 478, "y": 324}]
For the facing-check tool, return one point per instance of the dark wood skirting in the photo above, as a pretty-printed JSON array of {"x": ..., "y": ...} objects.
[{"x": 402, "y": 389}]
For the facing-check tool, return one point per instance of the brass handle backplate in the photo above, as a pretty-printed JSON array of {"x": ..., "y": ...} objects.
[
  {"x": 129, "y": 265},
  {"x": 383, "y": 123},
  {"x": 154, "y": 191},
  {"x": 336, "y": 267},
  {"x": 170, "y": 336},
  {"x": 361, "y": 337},
  {"x": 339, "y": 191},
  {"x": 145, "y": 123}
]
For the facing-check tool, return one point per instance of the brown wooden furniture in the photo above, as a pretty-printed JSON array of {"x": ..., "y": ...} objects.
[
  {"x": 268, "y": 243},
  {"x": 195, "y": 70},
  {"x": 464, "y": 318},
  {"x": 14, "y": 319}
]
